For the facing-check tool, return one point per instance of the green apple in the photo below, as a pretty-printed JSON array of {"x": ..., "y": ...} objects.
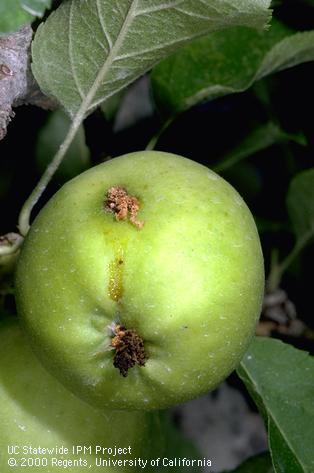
[
  {"x": 141, "y": 281},
  {"x": 37, "y": 412}
]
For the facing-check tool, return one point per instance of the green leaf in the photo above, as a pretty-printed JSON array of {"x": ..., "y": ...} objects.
[
  {"x": 16, "y": 13},
  {"x": 227, "y": 62},
  {"x": 259, "y": 139},
  {"x": 88, "y": 50},
  {"x": 300, "y": 204},
  {"x": 51, "y": 137},
  {"x": 280, "y": 380},
  {"x": 259, "y": 464}
]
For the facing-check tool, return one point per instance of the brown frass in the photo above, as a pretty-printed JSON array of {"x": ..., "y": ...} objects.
[
  {"x": 123, "y": 205},
  {"x": 129, "y": 349}
]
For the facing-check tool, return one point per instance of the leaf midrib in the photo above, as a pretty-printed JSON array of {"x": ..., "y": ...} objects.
[{"x": 79, "y": 116}]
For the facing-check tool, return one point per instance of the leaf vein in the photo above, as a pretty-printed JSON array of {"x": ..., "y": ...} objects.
[
  {"x": 158, "y": 8},
  {"x": 155, "y": 48},
  {"x": 86, "y": 104},
  {"x": 72, "y": 61},
  {"x": 96, "y": 38},
  {"x": 193, "y": 14},
  {"x": 103, "y": 26}
]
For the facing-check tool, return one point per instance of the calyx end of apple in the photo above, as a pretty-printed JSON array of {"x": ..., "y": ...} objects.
[
  {"x": 129, "y": 349},
  {"x": 123, "y": 205}
]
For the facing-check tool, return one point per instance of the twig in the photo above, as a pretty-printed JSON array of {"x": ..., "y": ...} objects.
[
  {"x": 24, "y": 217},
  {"x": 17, "y": 84}
]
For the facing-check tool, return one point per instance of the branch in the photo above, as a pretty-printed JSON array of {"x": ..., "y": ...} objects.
[{"x": 17, "y": 83}]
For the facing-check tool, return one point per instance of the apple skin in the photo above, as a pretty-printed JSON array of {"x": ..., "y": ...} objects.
[
  {"x": 191, "y": 281},
  {"x": 36, "y": 410}
]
